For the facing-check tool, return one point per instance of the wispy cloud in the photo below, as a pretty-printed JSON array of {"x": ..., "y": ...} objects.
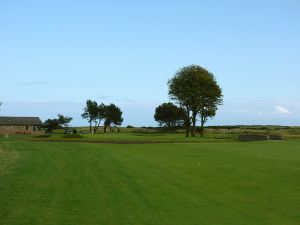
[
  {"x": 281, "y": 110},
  {"x": 105, "y": 97},
  {"x": 25, "y": 83},
  {"x": 2, "y": 67},
  {"x": 126, "y": 101}
]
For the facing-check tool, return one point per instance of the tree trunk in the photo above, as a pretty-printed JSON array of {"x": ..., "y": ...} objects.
[
  {"x": 95, "y": 128},
  {"x": 97, "y": 124},
  {"x": 187, "y": 125},
  {"x": 202, "y": 126},
  {"x": 90, "y": 126},
  {"x": 104, "y": 128},
  {"x": 187, "y": 131},
  {"x": 193, "y": 124}
]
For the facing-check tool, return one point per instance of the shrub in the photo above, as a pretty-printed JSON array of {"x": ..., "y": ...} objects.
[
  {"x": 129, "y": 126},
  {"x": 42, "y": 136},
  {"x": 72, "y": 136},
  {"x": 74, "y": 131},
  {"x": 263, "y": 128},
  {"x": 253, "y": 137},
  {"x": 275, "y": 137}
]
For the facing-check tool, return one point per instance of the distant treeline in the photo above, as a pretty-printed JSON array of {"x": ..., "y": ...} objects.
[{"x": 249, "y": 127}]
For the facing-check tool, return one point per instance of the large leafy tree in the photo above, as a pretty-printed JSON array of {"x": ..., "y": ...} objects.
[
  {"x": 112, "y": 116},
  {"x": 195, "y": 89},
  {"x": 169, "y": 115},
  {"x": 209, "y": 103}
]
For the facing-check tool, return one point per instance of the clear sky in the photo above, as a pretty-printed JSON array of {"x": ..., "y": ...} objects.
[{"x": 56, "y": 54}]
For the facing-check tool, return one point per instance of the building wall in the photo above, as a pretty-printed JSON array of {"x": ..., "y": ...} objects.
[{"x": 20, "y": 130}]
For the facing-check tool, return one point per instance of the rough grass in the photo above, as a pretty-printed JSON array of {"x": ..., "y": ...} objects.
[
  {"x": 175, "y": 184},
  {"x": 133, "y": 138},
  {"x": 151, "y": 135}
]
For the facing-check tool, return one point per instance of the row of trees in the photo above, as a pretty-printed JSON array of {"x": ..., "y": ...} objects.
[
  {"x": 193, "y": 89},
  {"x": 197, "y": 94},
  {"x": 95, "y": 113}
]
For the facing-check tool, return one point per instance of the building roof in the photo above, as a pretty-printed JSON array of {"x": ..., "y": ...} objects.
[{"x": 20, "y": 121}]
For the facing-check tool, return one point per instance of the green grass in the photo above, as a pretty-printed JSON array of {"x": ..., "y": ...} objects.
[
  {"x": 152, "y": 135},
  {"x": 132, "y": 138},
  {"x": 158, "y": 184}
]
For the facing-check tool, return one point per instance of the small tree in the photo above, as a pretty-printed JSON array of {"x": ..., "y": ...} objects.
[
  {"x": 63, "y": 121},
  {"x": 90, "y": 112},
  {"x": 169, "y": 115},
  {"x": 205, "y": 114},
  {"x": 51, "y": 124},
  {"x": 100, "y": 115},
  {"x": 113, "y": 115}
]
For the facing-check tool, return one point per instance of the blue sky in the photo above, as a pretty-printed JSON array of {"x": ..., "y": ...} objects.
[{"x": 54, "y": 55}]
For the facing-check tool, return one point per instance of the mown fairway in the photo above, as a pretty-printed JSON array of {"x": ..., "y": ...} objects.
[{"x": 159, "y": 184}]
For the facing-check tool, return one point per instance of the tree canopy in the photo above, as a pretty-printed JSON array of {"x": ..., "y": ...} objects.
[
  {"x": 169, "y": 115},
  {"x": 94, "y": 113},
  {"x": 51, "y": 124},
  {"x": 113, "y": 115},
  {"x": 195, "y": 89},
  {"x": 60, "y": 122},
  {"x": 63, "y": 121}
]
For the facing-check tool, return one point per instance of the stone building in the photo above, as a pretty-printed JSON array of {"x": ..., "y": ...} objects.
[{"x": 20, "y": 125}]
